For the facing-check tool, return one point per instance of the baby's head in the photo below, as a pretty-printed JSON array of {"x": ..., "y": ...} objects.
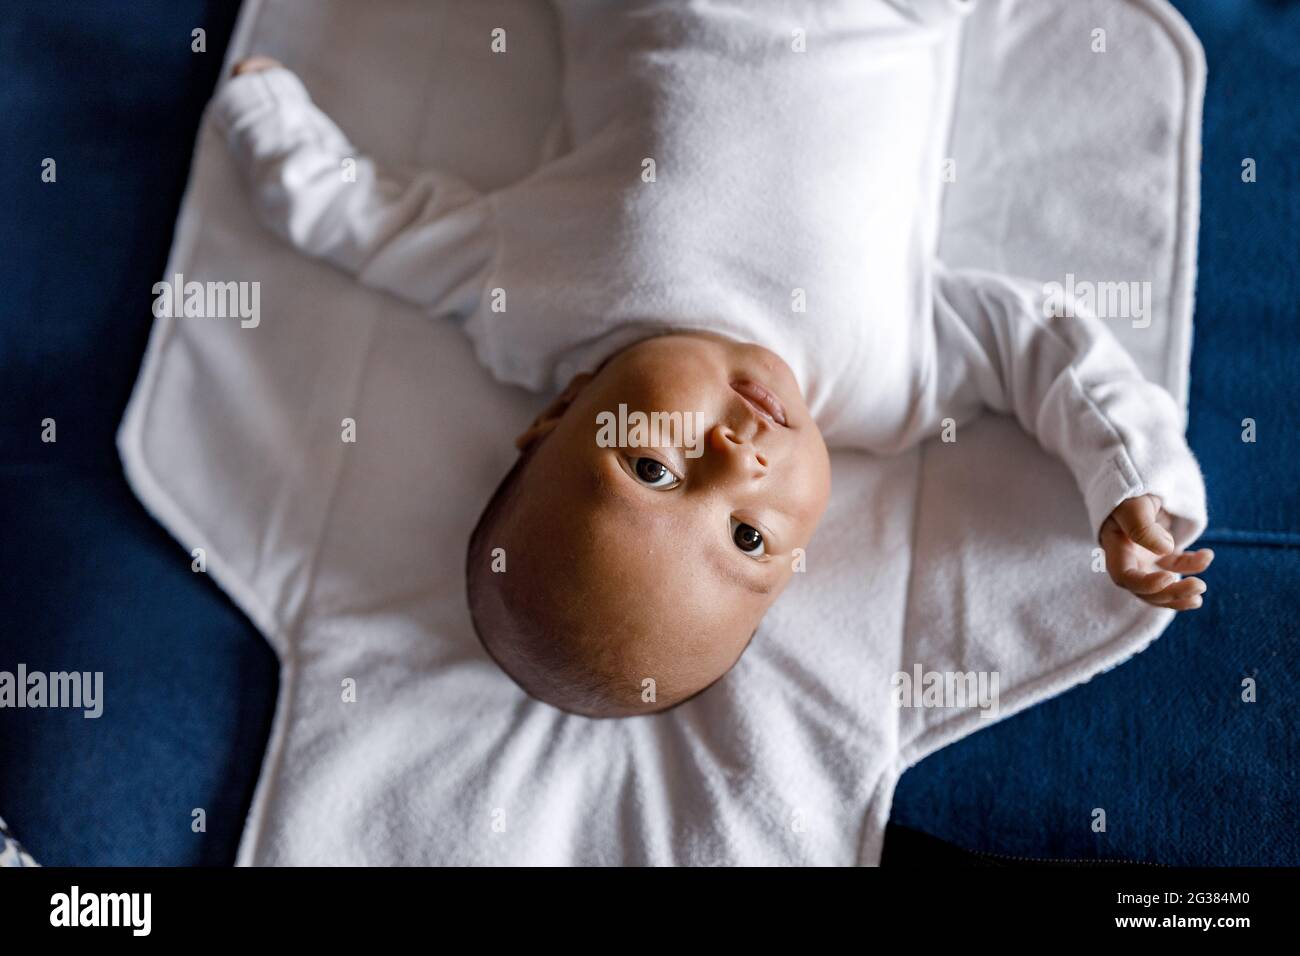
[{"x": 637, "y": 548}]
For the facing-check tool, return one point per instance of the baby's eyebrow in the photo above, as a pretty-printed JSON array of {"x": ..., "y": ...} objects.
[{"x": 728, "y": 570}]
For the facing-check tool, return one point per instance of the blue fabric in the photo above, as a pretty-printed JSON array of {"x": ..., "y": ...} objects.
[
  {"x": 1246, "y": 353},
  {"x": 189, "y": 685},
  {"x": 113, "y": 93},
  {"x": 1185, "y": 771}
]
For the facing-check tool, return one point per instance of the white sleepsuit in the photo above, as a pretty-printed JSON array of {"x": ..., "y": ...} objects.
[{"x": 762, "y": 169}]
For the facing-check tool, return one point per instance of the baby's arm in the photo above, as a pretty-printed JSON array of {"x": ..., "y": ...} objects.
[
  {"x": 1074, "y": 387},
  {"x": 425, "y": 237}
]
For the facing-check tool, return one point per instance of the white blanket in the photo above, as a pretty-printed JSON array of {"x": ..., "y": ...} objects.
[{"x": 1069, "y": 161}]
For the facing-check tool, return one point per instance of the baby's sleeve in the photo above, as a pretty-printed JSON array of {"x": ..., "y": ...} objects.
[
  {"x": 1069, "y": 383},
  {"x": 426, "y": 237}
]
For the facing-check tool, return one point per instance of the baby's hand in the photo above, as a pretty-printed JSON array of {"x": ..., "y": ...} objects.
[
  {"x": 1140, "y": 556},
  {"x": 254, "y": 64}
]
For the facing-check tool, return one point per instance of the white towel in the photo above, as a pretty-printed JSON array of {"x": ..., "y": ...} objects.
[{"x": 348, "y": 556}]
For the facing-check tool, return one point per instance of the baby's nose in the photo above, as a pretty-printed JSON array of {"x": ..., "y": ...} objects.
[{"x": 737, "y": 449}]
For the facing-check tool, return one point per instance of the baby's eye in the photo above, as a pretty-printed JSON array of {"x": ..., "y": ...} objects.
[
  {"x": 653, "y": 473},
  {"x": 747, "y": 538}
]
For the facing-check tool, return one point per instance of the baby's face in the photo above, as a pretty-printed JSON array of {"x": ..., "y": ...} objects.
[{"x": 660, "y": 559}]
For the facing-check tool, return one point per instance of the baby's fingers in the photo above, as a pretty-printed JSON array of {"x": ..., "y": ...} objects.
[
  {"x": 1184, "y": 595},
  {"x": 1123, "y": 563},
  {"x": 1187, "y": 562},
  {"x": 1139, "y": 518}
]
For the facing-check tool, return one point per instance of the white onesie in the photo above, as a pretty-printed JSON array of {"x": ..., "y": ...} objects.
[{"x": 763, "y": 170}]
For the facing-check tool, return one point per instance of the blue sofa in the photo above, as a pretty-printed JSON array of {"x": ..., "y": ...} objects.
[{"x": 1187, "y": 772}]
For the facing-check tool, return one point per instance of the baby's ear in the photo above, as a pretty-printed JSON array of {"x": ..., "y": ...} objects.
[{"x": 551, "y": 414}]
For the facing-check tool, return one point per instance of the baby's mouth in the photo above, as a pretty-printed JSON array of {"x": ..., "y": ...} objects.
[{"x": 762, "y": 399}]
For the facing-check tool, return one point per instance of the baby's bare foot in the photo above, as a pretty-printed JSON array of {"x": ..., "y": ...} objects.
[{"x": 254, "y": 64}]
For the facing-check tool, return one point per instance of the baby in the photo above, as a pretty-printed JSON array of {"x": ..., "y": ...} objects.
[{"x": 735, "y": 242}]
